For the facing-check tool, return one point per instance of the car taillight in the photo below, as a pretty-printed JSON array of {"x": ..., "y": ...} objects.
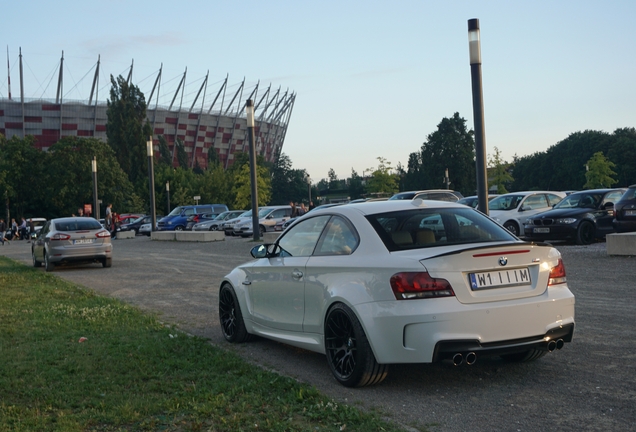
[
  {"x": 60, "y": 236},
  {"x": 103, "y": 234},
  {"x": 557, "y": 274},
  {"x": 407, "y": 286}
]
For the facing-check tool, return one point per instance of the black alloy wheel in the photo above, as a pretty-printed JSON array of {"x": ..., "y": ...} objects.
[
  {"x": 349, "y": 354},
  {"x": 232, "y": 324},
  {"x": 585, "y": 233}
]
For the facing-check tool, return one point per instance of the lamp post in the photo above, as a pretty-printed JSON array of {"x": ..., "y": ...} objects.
[
  {"x": 151, "y": 184},
  {"x": 249, "y": 108},
  {"x": 95, "y": 203},
  {"x": 474, "y": 47},
  {"x": 309, "y": 188},
  {"x": 168, "y": 196}
]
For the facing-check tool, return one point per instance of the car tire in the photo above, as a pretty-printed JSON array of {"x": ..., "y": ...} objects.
[
  {"x": 48, "y": 265},
  {"x": 349, "y": 354},
  {"x": 107, "y": 262},
  {"x": 230, "y": 316},
  {"x": 524, "y": 356},
  {"x": 178, "y": 228},
  {"x": 512, "y": 227},
  {"x": 36, "y": 263},
  {"x": 585, "y": 233}
]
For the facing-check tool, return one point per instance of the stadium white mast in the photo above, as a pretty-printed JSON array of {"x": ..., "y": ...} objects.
[
  {"x": 22, "y": 95},
  {"x": 8, "y": 73}
]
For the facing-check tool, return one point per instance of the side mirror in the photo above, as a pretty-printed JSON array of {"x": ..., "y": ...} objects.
[{"x": 259, "y": 251}]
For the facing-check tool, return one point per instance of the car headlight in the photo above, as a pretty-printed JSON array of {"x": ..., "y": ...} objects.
[
  {"x": 567, "y": 221},
  {"x": 169, "y": 222}
]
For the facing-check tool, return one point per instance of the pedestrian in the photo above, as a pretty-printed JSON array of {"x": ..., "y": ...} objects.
[
  {"x": 311, "y": 205},
  {"x": 302, "y": 210},
  {"x": 3, "y": 230},
  {"x": 31, "y": 230},
  {"x": 80, "y": 212},
  {"x": 14, "y": 229},
  {"x": 23, "y": 229},
  {"x": 109, "y": 215},
  {"x": 114, "y": 226},
  {"x": 294, "y": 212}
]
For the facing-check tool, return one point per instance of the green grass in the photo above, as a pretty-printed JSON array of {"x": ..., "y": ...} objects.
[{"x": 134, "y": 373}]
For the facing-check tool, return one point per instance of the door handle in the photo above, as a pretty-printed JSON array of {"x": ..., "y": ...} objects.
[{"x": 297, "y": 274}]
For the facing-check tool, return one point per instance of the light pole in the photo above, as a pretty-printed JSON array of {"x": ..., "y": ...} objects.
[
  {"x": 309, "y": 188},
  {"x": 168, "y": 196},
  {"x": 249, "y": 108},
  {"x": 474, "y": 48},
  {"x": 151, "y": 184},
  {"x": 95, "y": 203}
]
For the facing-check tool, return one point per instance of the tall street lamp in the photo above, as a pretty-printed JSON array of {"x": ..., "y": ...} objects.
[
  {"x": 95, "y": 203},
  {"x": 474, "y": 47},
  {"x": 249, "y": 108},
  {"x": 168, "y": 196},
  {"x": 151, "y": 184},
  {"x": 309, "y": 188}
]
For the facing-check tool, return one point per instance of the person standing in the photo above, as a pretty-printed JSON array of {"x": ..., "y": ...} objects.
[
  {"x": 14, "y": 229},
  {"x": 302, "y": 210},
  {"x": 3, "y": 230},
  {"x": 23, "y": 229},
  {"x": 31, "y": 230},
  {"x": 294, "y": 212},
  {"x": 109, "y": 215}
]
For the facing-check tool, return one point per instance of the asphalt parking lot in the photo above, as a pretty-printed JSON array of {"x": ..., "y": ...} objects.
[{"x": 589, "y": 385}]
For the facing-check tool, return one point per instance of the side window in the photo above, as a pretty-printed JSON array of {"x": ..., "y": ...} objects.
[
  {"x": 188, "y": 212},
  {"x": 278, "y": 214},
  {"x": 534, "y": 202},
  {"x": 554, "y": 199},
  {"x": 613, "y": 197},
  {"x": 301, "y": 238},
  {"x": 339, "y": 238},
  {"x": 205, "y": 210}
]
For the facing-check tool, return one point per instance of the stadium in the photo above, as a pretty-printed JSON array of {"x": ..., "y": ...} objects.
[{"x": 200, "y": 124}]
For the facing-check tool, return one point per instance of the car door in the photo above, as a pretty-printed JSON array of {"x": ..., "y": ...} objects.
[
  {"x": 276, "y": 285},
  {"x": 38, "y": 243},
  {"x": 605, "y": 216}
]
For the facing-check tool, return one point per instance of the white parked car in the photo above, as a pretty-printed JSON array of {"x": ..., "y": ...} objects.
[
  {"x": 145, "y": 229},
  {"x": 372, "y": 284},
  {"x": 512, "y": 210}
]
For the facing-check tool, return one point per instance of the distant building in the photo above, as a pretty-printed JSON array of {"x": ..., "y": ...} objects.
[{"x": 219, "y": 125}]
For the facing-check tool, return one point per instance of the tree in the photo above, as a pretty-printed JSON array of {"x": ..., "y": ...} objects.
[
  {"x": 451, "y": 146},
  {"x": 22, "y": 177},
  {"x": 498, "y": 173},
  {"x": 334, "y": 183},
  {"x": 599, "y": 172},
  {"x": 213, "y": 157},
  {"x": 356, "y": 188},
  {"x": 382, "y": 180},
  {"x": 243, "y": 187},
  {"x": 68, "y": 189},
  {"x": 182, "y": 155},
  {"x": 165, "y": 157},
  {"x": 127, "y": 129},
  {"x": 288, "y": 184}
]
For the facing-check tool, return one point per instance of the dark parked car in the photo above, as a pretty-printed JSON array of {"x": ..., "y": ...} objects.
[
  {"x": 135, "y": 224},
  {"x": 430, "y": 194},
  {"x": 625, "y": 211},
  {"x": 582, "y": 217}
]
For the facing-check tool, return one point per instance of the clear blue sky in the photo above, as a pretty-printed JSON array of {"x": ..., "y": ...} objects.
[{"x": 373, "y": 79}]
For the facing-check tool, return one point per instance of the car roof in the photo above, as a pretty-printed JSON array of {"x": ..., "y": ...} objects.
[
  {"x": 605, "y": 190},
  {"x": 388, "y": 206},
  {"x": 524, "y": 193},
  {"x": 72, "y": 218}
]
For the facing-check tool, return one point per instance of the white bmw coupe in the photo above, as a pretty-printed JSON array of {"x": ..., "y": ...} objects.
[{"x": 372, "y": 284}]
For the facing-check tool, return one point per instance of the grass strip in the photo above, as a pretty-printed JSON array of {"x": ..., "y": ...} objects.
[{"x": 71, "y": 360}]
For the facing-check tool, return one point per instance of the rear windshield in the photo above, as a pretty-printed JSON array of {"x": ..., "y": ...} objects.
[
  {"x": 414, "y": 229},
  {"x": 78, "y": 225}
]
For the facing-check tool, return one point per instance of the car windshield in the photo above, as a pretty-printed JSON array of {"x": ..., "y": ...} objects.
[
  {"x": 506, "y": 202},
  {"x": 414, "y": 229},
  {"x": 139, "y": 219},
  {"x": 176, "y": 211},
  {"x": 580, "y": 200}
]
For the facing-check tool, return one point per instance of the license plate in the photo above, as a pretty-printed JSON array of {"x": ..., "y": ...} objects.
[
  {"x": 82, "y": 241},
  {"x": 499, "y": 278},
  {"x": 541, "y": 230},
  {"x": 630, "y": 212}
]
